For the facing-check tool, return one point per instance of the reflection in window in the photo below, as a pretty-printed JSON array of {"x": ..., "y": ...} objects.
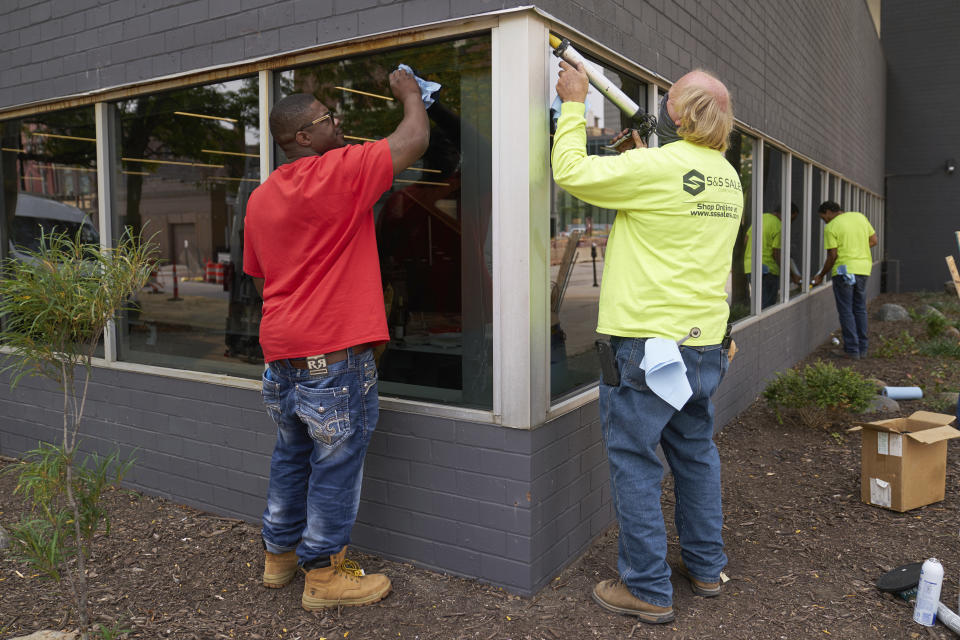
[
  {"x": 187, "y": 162},
  {"x": 578, "y": 241},
  {"x": 434, "y": 225},
  {"x": 740, "y": 155},
  {"x": 768, "y": 280},
  {"x": 49, "y": 167}
]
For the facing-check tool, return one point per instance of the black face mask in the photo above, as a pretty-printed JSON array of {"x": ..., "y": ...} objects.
[{"x": 666, "y": 130}]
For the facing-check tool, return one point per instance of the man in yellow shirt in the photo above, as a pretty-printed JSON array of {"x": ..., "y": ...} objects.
[
  {"x": 667, "y": 261},
  {"x": 848, "y": 237},
  {"x": 770, "y": 282}
]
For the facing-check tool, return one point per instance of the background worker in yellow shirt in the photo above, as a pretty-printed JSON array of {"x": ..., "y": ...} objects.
[
  {"x": 667, "y": 261},
  {"x": 770, "y": 283},
  {"x": 848, "y": 237}
]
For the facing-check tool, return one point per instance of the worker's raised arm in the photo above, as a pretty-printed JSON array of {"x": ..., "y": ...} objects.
[{"x": 411, "y": 137}]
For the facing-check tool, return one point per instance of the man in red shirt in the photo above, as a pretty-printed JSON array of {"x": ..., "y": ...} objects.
[{"x": 310, "y": 246}]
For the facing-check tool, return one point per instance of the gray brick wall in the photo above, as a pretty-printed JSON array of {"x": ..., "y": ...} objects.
[
  {"x": 810, "y": 74},
  {"x": 920, "y": 41}
]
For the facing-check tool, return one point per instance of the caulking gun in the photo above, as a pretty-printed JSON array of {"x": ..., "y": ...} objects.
[{"x": 642, "y": 122}]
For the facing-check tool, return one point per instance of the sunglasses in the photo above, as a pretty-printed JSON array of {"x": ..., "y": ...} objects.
[{"x": 328, "y": 114}]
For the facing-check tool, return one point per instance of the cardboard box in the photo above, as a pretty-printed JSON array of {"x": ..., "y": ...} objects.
[{"x": 903, "y": 461}]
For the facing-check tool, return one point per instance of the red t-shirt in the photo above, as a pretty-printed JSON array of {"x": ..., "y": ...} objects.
[{"x": 309, "y": 233}]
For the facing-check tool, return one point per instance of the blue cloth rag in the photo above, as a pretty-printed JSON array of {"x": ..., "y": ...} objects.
[
  {"x": 665, "y": 372},
  {"x": 427, "y": 87},
  {"x": 849, "y": 278}
]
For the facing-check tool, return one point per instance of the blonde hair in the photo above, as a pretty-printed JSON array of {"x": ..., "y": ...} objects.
[{"x": 705, "y": 119}]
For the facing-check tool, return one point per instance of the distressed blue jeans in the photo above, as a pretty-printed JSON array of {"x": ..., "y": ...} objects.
[
  {"x": 635, "y": 421},
  {"x": 324, "y": 424},
  {"x": 851, "y": 302}
]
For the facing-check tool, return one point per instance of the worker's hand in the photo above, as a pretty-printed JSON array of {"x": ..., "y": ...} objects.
[
  {"x": 572, "y": 84},
  {"x": 630, "y": 140},
  {"x": 817, "y": 279},
  {"x": 794, "y": 278},
  {"x": 403, "y": 85}
]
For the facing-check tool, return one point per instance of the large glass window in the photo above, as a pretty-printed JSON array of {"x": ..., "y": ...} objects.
[
  {"x": 434, "y": 224},
  {"x": 766, "y": 278},
  {"x": 797, "y": 257},
  {"x": 818, "y": 193},
  {"x": 740, "y": 155},
  {"x": 49, "y": 167},
  {"x": 578, "y": 242},
  {"x": 187, "y": 161}
]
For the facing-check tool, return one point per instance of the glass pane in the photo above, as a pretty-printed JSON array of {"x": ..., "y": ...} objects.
[
  {"x": 816, "y": 224},
  {"x": 772, "y": 230},
  {"x": 49, "y": 165},
  {"x": 434, "y": 224},
  {"x": 740, "y": 155},
  {"x": 187, "y": 161},
  {"x": 797, "y": 258},
  {"x": 578, "y": 240}
]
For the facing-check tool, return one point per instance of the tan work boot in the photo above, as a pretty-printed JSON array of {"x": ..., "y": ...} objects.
[
  {"x": 614, "y": 596},
  {"x": 279, "y": 568},
  {"x": 343, "y": 583},
  {"x": 699, "y": 587}
]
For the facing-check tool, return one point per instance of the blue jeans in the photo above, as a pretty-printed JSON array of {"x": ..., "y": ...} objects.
[
  {"x": 324, "y": 424},
  {"x": 852, "y": 308},
  {"x": 635, "y": 421}
]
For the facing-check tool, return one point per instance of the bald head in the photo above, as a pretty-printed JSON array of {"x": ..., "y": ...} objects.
[
  {"x": 288, "y": 115},
  {"x": 700, "y": 105}
]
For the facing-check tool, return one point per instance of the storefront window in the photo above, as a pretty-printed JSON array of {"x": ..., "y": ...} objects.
[
  {"x": 765, "y": 279},
  {"x": 797, "y": 258},
  {"x": 187, "y": 161},
  {"x": 578, "y": 241},
  {"x": 49, "y": 167},
  {"x": 434, "y": 224},
  {"x": 740, "y": 155}
]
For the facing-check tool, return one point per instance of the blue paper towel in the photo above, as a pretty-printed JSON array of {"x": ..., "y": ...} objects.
[
  {"x": 427, "y": 87},
  {"x": 665, "y": 372}
]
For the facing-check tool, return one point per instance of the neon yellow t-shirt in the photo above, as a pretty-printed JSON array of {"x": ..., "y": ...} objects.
[
  {"x": 771, "y": 241},
  {"x": 669, "y": 252},
  {"x": 849, "y": 233}
]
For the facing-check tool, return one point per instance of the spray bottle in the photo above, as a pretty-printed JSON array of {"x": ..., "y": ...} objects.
[{"x": 928, "y": 593}]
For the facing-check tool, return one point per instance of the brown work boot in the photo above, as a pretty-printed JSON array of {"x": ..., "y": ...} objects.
[
  {"x": 700, "y": 588},
  {"x": 343, "y": 583},
  {"x": 614, "y": 596},
  {"x": 279, "y": 568}
]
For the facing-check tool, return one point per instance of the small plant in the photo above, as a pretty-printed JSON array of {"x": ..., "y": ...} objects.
[
  {"x": 936, "y": 324},
  {"x": 819, "y": 395},
  {"x": 939, "y": 404},
  {"x": 941, "y": 347},
  {"x": 899, "y": 345},
  {"x": 111, "y": 633},
  {"x": 55, "y": 302}
]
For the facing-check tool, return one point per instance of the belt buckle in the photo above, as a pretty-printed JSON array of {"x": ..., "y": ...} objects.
[{"x": 317, "y": 365}]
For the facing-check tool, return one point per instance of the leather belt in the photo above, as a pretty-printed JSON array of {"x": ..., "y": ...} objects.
[{"x": 329, "y": 358}]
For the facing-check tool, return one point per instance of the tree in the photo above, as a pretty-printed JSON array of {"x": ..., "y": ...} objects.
[{"x": 55, "y": 304}]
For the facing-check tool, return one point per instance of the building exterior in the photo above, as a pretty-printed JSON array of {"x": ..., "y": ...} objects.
[
  {"x": 923, "y": 142},
  {"x": 488, "y": 461}
]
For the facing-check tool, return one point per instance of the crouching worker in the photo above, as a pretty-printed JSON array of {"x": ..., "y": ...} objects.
[
  {"x": 667, "y": 261},
  {"x": 310, "y": 246}
]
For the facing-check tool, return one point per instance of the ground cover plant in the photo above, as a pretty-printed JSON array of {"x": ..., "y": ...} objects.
[{"x": 804, "y": 552}]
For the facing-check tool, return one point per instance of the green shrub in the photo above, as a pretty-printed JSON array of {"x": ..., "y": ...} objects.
[
  {"x": 819, "y": 394},
  {"x": 898, "y": 345},
  {"x": 941, "y": 347},
  {"x": 936, "y": 324}
]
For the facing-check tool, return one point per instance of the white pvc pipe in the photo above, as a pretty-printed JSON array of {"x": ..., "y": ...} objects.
[{"x": 903, "y": 393}]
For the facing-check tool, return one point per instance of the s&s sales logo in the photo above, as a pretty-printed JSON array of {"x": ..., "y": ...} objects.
[{"x": 693, "y": 182}]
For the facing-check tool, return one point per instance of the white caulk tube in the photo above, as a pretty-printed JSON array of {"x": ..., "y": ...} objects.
[
  {"x": 948, "y": 618},
  {"x": 563, "y": 49},
  {"x": 928, "y": 593}
]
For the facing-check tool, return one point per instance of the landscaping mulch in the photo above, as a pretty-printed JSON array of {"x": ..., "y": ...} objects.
[{"x": 804, "y": 552}]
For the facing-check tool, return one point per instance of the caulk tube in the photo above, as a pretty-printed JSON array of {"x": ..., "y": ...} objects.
[
  {"x": 928, "y": 593},
  {"x": 948, "y": 617},
  {"x": 563, "y": 49}
]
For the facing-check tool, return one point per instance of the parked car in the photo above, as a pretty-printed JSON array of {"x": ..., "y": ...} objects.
[{"x": 36, "y": 216}]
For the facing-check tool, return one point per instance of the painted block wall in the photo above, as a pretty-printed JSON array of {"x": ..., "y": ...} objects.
[{"x": 920, "y": 42}]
